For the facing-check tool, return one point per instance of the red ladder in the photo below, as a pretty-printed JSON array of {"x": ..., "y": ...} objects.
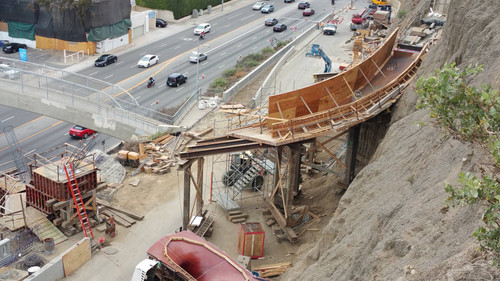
[{"x": 77, "y": 199}]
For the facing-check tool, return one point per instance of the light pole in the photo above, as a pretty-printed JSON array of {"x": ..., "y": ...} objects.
[{"x": 198, "y": 65}]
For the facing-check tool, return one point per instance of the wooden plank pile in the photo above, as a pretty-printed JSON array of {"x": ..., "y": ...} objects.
[
  {"x": 270, "y": 270},
  {"x": 161, "y": 151},
  {"x": 121, "y": 215},
  {"x": 237, "y": 216}
]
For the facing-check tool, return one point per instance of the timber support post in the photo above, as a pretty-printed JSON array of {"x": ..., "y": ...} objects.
[
  {"x": 352, "y": 149},
  {"x": 199, "y": 196},
  {"x": 186, "y": 168},
  {"x": 292, "y": 186}
]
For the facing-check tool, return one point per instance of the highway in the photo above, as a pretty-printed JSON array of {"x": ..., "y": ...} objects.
[{"x": 233, "y": 36}]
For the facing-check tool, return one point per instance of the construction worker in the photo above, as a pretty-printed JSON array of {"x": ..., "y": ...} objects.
[{"x": 322, "y": 25}]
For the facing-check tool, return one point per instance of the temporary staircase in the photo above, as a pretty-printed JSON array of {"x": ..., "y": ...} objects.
[
  {"x": 77, "y": 199},
  {"x": 244, "y": 180},
  {"x": 202, "y": 230}
]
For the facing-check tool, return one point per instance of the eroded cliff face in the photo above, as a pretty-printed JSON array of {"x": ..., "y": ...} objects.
[{"x": 390, "y": 223}]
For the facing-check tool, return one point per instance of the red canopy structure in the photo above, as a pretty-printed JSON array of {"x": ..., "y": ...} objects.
[{"x": 196, "y": 259}]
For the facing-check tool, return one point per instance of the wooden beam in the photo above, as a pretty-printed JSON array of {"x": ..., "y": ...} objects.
[
  {"x": 120, "y": 209},
  {"x": 332, "y": 155},
  {"x": 187, "y": 196},
  {"x": 350, "y": 89},
  {"x": 308, "y": 109}
]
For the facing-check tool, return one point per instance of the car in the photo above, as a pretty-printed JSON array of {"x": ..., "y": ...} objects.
[
  {"x": 308, "y": 12},
  {"x": 267, "y": 8},
  {"x": 175, "y": 79},
  {"x": 330, "y": 29},
  {"x": 279, "y": 27},
  {"x": 80, "y": 132},
  {"x": 105, "y": 59},
  {"x": 289, "y": 1},
  {"x": 161, "y": 23},
  {"x": 270, "y": 21},
  {"x": 258, "y": 5},
  {"x": 148, "y": 60},
  {"x": 14, "y": 47},
  {"x": 6, "y": 71},
  {"x": 303, "y": 5},
  {"x": 195, "y": 57},
  {"x": 202, "y": 27}
]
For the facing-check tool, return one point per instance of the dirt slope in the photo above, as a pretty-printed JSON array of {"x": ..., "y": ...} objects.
[{"x": 390, "y": 224}]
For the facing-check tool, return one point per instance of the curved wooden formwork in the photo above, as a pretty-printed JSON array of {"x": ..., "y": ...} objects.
[{"x": 335, "y": 104}]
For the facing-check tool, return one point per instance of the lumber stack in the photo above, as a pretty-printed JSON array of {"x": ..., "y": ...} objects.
[
  {"x": 237, "y": 216},
  {"x": 121, "y": 215},
  {"x": 270, "y": 270}
]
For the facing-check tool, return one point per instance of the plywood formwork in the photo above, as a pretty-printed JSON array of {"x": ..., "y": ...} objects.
[{"x": 333, "y": 92}]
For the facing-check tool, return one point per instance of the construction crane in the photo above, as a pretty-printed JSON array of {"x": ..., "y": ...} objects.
[{"x": 316, "y": 51}]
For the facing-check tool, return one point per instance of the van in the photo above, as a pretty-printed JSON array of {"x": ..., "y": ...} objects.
[{"x": 175, "y": 79}]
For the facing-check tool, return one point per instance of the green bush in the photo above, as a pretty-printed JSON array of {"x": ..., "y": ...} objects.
[
  {"x": 267, "y": 51},
  {"x": 219, "y": 84},
  {"x": 402, "y": 13},
  {"x": 474, "y": 115},
  {"x": 282, "y": 44},
  {"x": 180, "y": 8},
  {"x": 229, "y": 72}
]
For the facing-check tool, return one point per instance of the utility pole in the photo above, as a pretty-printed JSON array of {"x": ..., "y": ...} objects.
[{"x": 222, "y": 6}]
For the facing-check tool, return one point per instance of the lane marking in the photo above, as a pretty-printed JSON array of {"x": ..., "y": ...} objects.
[
  {"x": 163, "y": 45},
  {"x": 135, "y": 65},
  {"x": 29, "y": 122},
  {"x": 162, "y": 85},
  {"x": 137, "y": 97},
  {"x": 179, "y": 89},
  {"x": 120, "y": 62},
  {"x": 246, "y": 18},
  {"x": 222, "y": 54},
  {"x": 108, "y": 76},
  {"x": 30, "y": 152},
  {"x": 221, "y": 66},
  {"x": 177, "y": 47},
  {"x": 93, "y": 73},
  {"x": 7, "y": 119},
  {"x": 29, "y": 137}
]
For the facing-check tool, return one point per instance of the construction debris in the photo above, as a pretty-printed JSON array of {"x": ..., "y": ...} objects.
[{"x": 271, "y": 269}]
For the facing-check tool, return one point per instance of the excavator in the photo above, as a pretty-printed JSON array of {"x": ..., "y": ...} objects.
[
  {"x": 316, "y": 51},
  {"x": 380, "y": 2}
]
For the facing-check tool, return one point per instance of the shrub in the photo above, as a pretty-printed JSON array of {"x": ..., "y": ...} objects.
[
  {"x": 219, "y": 84},
  {"x": 228, "y": 73},
  {"x": 402, "y": 13},
  {"x": 267, "y": 51}
]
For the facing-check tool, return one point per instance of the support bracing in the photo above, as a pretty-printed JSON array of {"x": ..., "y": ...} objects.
[{"x": 352, "y": 149}]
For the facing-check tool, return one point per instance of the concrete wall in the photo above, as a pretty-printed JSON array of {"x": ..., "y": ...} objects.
[{"x": 64, "y": 264}]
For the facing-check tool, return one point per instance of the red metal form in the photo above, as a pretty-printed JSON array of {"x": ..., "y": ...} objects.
[
  {"x": 187, "y": 255},
  {"x": 77, "y": 199}
]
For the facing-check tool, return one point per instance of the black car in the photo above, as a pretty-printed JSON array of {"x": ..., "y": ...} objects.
[
  {"x": 279, "y": 28},
  {"x": 303, "y": 5},
  {"x": 161, "y": 23},
  {"x": 14, "y": 47},
  {"x": 175, "y": 79},
  {"x": 289, "y": 1},
  {"x": 105, "y": 60}
]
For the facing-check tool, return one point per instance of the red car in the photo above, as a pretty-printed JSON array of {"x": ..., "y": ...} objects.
[
  {"x": 308, "y": 12},
  {"x": 80, "y": 132}
]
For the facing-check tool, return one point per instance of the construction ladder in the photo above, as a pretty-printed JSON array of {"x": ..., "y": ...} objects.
[{"x": 77, "y": 199}]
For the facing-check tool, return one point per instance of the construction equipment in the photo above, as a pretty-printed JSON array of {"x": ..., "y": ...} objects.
[
  {"x": 128, "y": 158},
  {"x": 379, "y": 2},
  {"x": 316, "y": 51},
  {"x": 360, "y": 21}
]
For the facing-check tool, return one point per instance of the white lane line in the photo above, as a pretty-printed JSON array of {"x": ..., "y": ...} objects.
[
  {"x": 204, "y": 63},
  {"x": 7, "y": 119},
  {"x": 161, "y": 85},
  {"x": 66, "y": 134},
  {"x": 227, "y": 25},
  {"x": 186, "y": 73},
  {"x": 254, "y": 37},
  {"x": 163, "y": 45},
  {"x": 108, "y": 76},
  {"x": 135, "y": 65},
  {"x": 179, "y": 89},
  {"x": 137, "y": 97},
  {"x": 177, "y": 47},
  {"x": 254, "y": 48},
  {"x": 221, "y": 66},
  {"x": 93, "y": 73},
  {"x": 120, "y": 62},
  {"x": 239, "y": 46},
  {"x": 27, "y": 153},
  {"x": 247, "y": 17},
  {"x": 223, "y": 54}
]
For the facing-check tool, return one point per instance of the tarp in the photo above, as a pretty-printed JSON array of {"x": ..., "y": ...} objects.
[
  {"x": 110, "y": 31},
  {"x": 18, "y": 11},
  {"x": 60, "y": 24},
  {"x": 21, "y": 30}
]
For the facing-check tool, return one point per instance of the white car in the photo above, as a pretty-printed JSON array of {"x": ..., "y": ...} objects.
[
  {"x": 202, "y": 27},
  {"x": 258, "y": 5},
  {"x": 195, "y": 57},
  {"x": 147, "y": 61},
  {"x": 7, "y": 71}
]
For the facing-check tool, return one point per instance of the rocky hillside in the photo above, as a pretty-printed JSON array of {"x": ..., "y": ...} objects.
[{"x": 390, "y": 223}]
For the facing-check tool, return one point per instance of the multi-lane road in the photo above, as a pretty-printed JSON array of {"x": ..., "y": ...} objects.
[{"x": 233, "y": 36}]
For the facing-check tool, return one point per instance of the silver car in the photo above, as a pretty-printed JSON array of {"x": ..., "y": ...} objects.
[{"x": 195, "y": 57}]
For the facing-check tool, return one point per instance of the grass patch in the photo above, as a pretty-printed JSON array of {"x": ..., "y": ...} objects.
[{"x": 402, "y": 13}]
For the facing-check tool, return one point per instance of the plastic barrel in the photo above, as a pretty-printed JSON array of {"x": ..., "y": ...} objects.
[{"x": 48, "y": 246}]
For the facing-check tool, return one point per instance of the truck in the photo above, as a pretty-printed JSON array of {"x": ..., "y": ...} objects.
[
  {"x": 360, "y": 21},
  {"x": 145, "y": 270}
]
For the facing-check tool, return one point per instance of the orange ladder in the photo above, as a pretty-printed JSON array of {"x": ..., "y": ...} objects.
[{"x": 77, "y": 199}]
